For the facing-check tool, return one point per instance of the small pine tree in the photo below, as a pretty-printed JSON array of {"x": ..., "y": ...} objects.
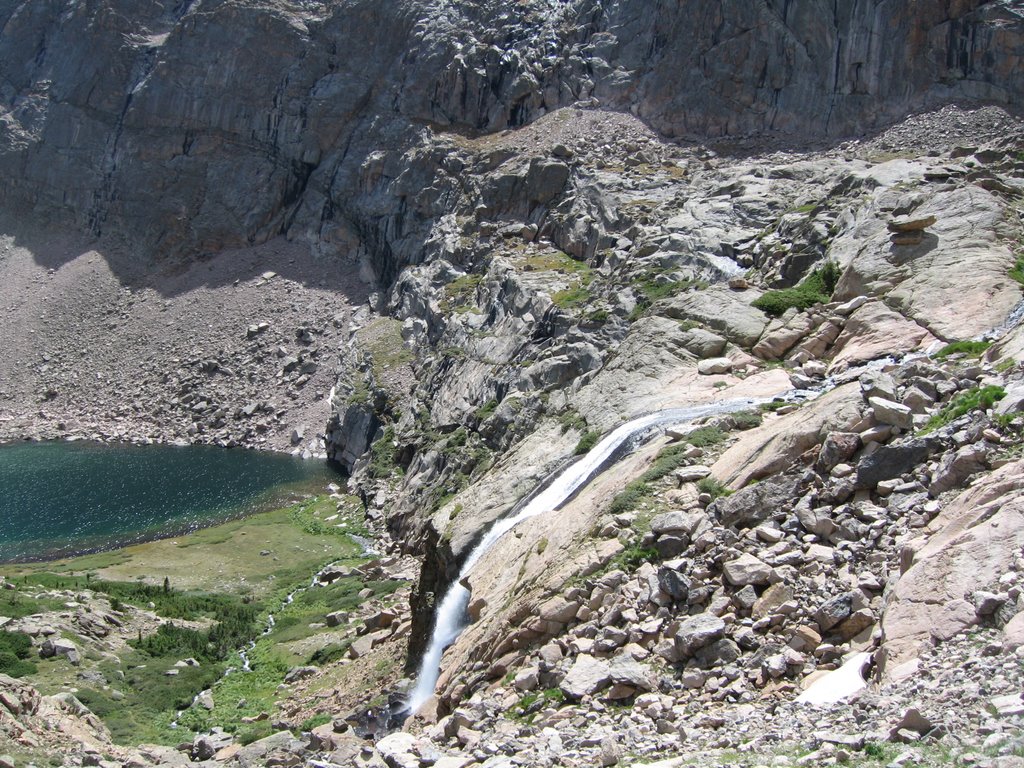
[{"x": 167, "y": 585}]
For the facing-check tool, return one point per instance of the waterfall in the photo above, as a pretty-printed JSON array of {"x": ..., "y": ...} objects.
[{"x": 449, "y": 618}]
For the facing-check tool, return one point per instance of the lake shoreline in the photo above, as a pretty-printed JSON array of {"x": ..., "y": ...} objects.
[{"x": 69, "y": 498}]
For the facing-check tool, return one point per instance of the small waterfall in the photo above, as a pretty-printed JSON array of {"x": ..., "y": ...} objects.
[{"x": 449, "y": 619}]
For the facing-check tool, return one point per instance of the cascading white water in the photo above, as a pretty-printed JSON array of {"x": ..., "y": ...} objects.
[{"x": 449, "y": 616}]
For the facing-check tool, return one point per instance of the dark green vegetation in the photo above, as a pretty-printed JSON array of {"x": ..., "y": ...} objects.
[
  {"x": 527, "y": 708},
  {"x": 713, "y": 487},
  {"x": 668, "y": 460},
  {"x": 971, "y": 348},
  {"x": 1017, "y": 271},
  {"x": 816, "y": 288},
  {"x": 274, "y": 654},
  {"x": 14, "y": 652},
  {"x": 588, "y": 441},
  {"x": 964, "y": 402},
  {"x": 382, "y": 456}
]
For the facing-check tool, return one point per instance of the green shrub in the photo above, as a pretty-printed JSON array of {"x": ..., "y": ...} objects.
[
  {"x": 972, "y": 399},
  {"x": 714, "y": 487},
  {"x": 588, "y": 441},
  {"x": 16, "y": 643},
  {"x": 1017, "y": 271},
  {"x": 15, "y": 667},
  {"x": 704, "y": 437},
  {"x": 382, "y": 456},
  {"x": 488, "y": 408},
  {"x": 816, "y": 288},
  {"x": 571, "y": 419},
  {"x": 669, "y": 459},
  {"x": 316, "y": 720},
  {"x": 629, "y": 497},
  {"x": 746, "y": 419},
  {"x": 329, "y": 654},
  {"x": 570, "y": 298},
  {"x": 632, "y": 558},
  {"x": 972, "y": 348}
]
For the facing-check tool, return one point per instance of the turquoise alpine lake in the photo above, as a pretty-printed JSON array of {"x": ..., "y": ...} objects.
[{"x": 61, "y": 499}]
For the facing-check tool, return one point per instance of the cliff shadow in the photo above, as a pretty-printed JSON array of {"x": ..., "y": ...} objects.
[{"x": 53, "y": 246}]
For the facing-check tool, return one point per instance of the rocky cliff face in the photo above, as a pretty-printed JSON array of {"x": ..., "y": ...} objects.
[{"x": 193, "y": 126}]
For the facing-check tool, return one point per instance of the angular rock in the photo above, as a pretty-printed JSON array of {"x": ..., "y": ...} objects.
[
  {"x": 586, "y": 677},
  {"x": 746, "y": 569},
  {"x": 892, "y": 413},
  {"x": 755, "y": 504},
  {"x": 834, "y": 611},
  {"x": 714, "y": 365},
  {"x": 838, "y": 447},
  {"x": 697, "y": 631},
  {"x": 769, "y": 602},
  {"x": 891, "y": 461}
]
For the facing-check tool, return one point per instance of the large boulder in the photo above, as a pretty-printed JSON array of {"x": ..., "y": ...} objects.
[
  {"x": 587, "y": 676},
  {"x": 874, "y": 331},
  {"x": 892, "y": 461},
  {"x": 756, "y": 503},
  {"x": 979, "y": 536},
  {"x": 746, "y": 569},
  {"x": 723, "y": 311},
  {"x": 695, "y": 632},
  {"x": 953, "y": 283},
  {"x": 774, "y": 445}
]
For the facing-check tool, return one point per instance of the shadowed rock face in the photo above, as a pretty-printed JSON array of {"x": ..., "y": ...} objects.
[{"x": 197, "y": 125}]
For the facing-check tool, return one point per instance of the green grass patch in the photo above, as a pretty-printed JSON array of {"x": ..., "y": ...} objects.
[
  {"x": 571, "y": 298},
  {"x": 745, "y": 419},
  {"x": 1017, "y": 270},
  {"x": 629, "y": 497},
  {"x": 271, "y": 659},
  {"x": 971, "y": 348},
  {"x": 460, "y": 293},
  {"x": 816, "y": 288},
  {"x": 527, "y": 708},
  {"x": 972, "y": 399},
  {"x": 485, "y": 411},
  {"x": 382, "y": 341},
  {"x": 16, "y": 604},
  {"x": 633, "y": 557},
  {"x": 571, "y": 419},
  {"x": 713, "y": 486},
  {"x": 668, "y": 460},
  {"x": 315, "y": 721},
  {"x": 555, "y": 261}
]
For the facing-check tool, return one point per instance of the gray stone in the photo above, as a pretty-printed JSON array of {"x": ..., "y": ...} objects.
[
  {"x": 300, "y": 673},
  {"x": 587, "y": 676},
  {"x": 746, "y": 569},
  {"x": 714, "y": 365},
  {"x": 697, "y": 631},
  {"x": 838, "y": 447},
  {"x": 891, "y": 461},
  {"x": 756, "y": 503},
  {"x": 890, "y": 412},
  {"x": 673, "y": 583},
  {"x": 834, "y": 611}
]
